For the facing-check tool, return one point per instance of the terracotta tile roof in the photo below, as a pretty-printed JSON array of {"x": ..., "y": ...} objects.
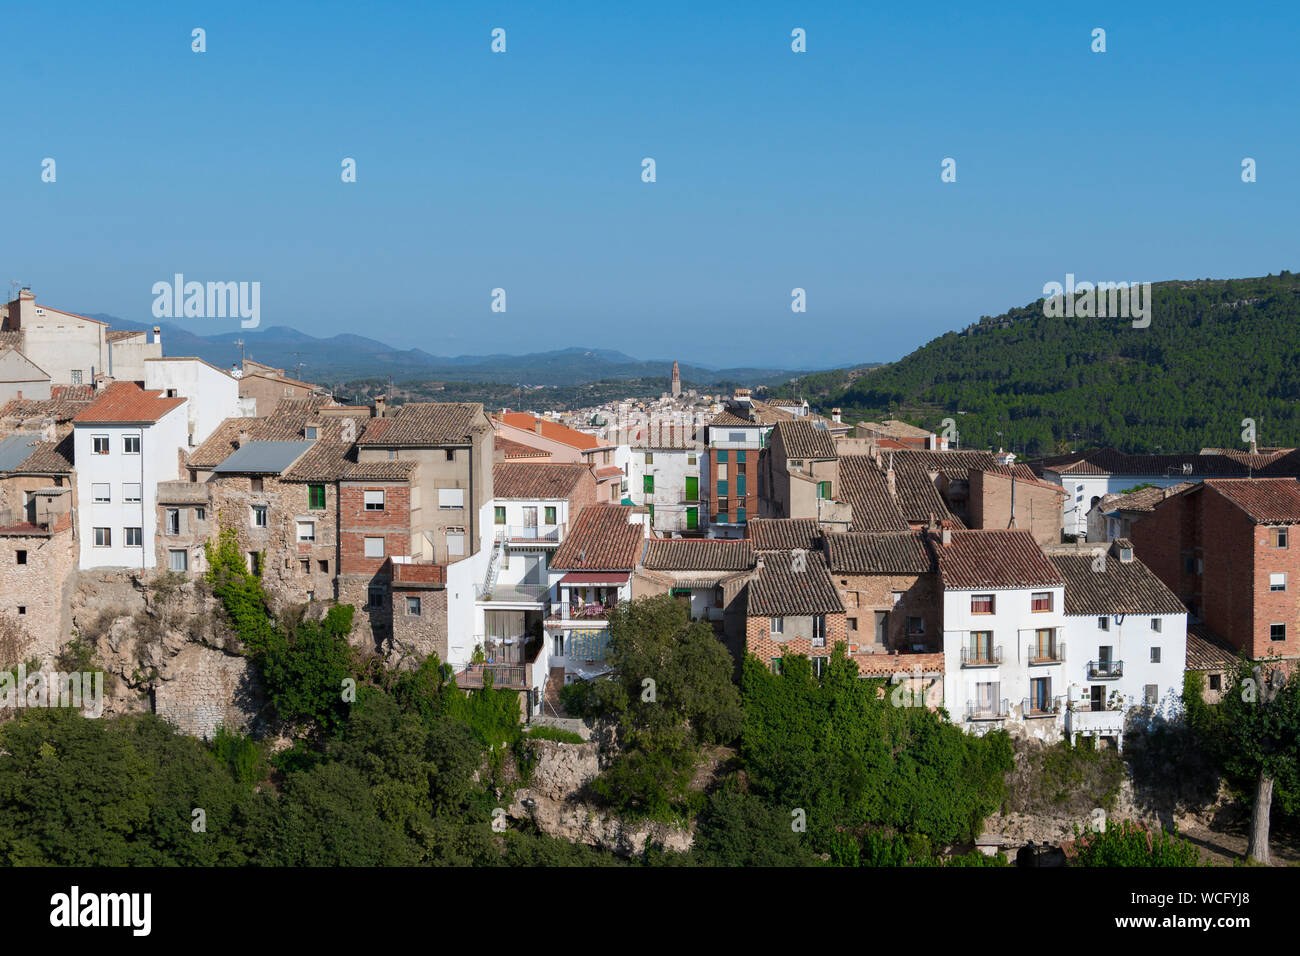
[
  {"x": 48, "y": 458},
  {"x": 802, "y": 439},
  {"x": 864, "y": 486},
  {"x": 1206, "y": 650},
  {"x": 1144, "y": 500},
  {"x": 956, "y": 465},
  {"x": 1265, "y": 500},
  {"x": 331, "y": 456},
  {"x": 699, "y": 554},
  {"x": 505, "y": 448},
  {"x": 784, "y": 534},
  {"x": 608, "y": 471},
  {"x": 287, "y": 422},
  {"x": 887, "y": 665},
  {"x": 777, "y": 589},
  {"x": 725, "y": 418},
  {"x": 38, "y": 409},
  {"x": 665, "y": 437},
  {"x": 893, "y": 428},
  {"x": 994, "y": 559},
  {"x": 123, "y": 402},
  {"x": 116, "y": 335},
  {"x": 378, "y": 470},
  {"x": 552, "y": 430},
  {"x": 1109, "y": 461},
  {"x": 535, "y": 480},
  {"x": 12, "y": 339},
  {"x": 855, "y": 552},
  {"x": 425, "y": 423},
  {"x": 601, "y": 539},
  {"x": 72, "y": 393},
  {"x": 918, "y": 498},
  {"x": 1125, "y": 587},
  {"x": 1023, "y": 473}
]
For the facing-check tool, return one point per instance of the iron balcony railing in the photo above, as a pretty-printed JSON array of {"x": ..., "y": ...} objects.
[
  {"x": 512, "y": 593},
  {"x": 513, "y": 532},
  {"x": 1105, "y": 670},
  {"x": 513, "y": 676},
  {"x": 1040, "y": 708},
  {"x": 1053, "y": 653},
  {"x": 987, "y": 710},
  {"x": 981, "y": 657}
]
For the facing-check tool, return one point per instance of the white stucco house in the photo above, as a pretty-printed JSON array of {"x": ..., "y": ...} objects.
[
  {"x": 212, "y": 395},
  {"x": 663, "y": 467},
  {"x": 125, "y": 442}
]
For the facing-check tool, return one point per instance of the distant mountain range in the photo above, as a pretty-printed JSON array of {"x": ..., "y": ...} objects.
[{"x": 341, "y": 358}]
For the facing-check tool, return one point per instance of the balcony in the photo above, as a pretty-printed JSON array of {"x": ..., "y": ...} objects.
[
  {"x": 981, "y": 657},
  {"x": 1031, "y": 708},
  {"x": 1095, "y": 723},
  {"x": 526, "y": 536},
  {"x": 585, "y": 612},
  {"x": 512, "y": 593},
  {"x": 507, "y": 663},
  {"x": 988, "y": 710},
  {"x": 1105, "y": 670},
  {"x": 1041, "y": 654}
]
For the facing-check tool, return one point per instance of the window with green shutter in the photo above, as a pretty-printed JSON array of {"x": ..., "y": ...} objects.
[
  {"x": 823, "y": 489},
  {"x": 648, "y": 484},
  {"x": 740, "y": 516},
  {"x": 550, "y": 514},
  {"x": 692, "y": 518},
  {"x": 722, "y": 456},
  {"x": 692, "y": 488},
  {"x": 316, "y": 497},
  {"x": 740, "y": 485},
  {"x": 499, "y": 514},
  {"x": 740, "y": 455},
  {"x": 722, "y": 489}
]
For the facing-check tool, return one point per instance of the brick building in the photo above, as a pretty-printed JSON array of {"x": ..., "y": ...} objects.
[{"x": 793, "y": 607}]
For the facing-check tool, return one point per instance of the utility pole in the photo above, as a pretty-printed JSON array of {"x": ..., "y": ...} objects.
[{"x": 297, "y": 371}]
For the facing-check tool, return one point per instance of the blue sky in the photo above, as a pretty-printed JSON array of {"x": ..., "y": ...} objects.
[{"x": 522, "y": 170}]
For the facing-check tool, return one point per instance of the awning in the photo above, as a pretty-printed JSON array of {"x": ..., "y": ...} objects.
[{"x": 595, "y": 577}]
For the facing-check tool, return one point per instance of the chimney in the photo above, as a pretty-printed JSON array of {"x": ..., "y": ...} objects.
[
  {"x": 242, "y": 440},
  {"x": 890, "y": 479},
  {"x": 1254, "y": 449},
  {"x": 945, "y": 536},
  {"x": 157, "y": 335},
  {"x": 381, "y": 405},
  {"x": 47, "y": 430},
  {"x": 835, "y": 415},
  {"x": 537, "y": 425}
]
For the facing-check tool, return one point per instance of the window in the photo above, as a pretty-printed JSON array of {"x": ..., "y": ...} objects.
[
  {"x": 776, "y": 625},
  {"x": 1155, "y": 655},
  {"x": 1216, "y": 682},
  {"x": 1155, "y": 624},
  {"x": 1189, "y": 565},
  {"x": 200, "y": 514},
  {"x": 723, "y": 507},
  {"x": 99, "y": 444},
  {"x": 259, "y": 516},
  {"x": 451, "y": 497},
  {"x": 374, "y": 547},
  {"x": 499, "y": 515},
  {"x": 692, "y": 488},
  {"x": 288, "y": 391},
  {"x": 648, "y": 484},
  {"x": 20, "y": 557},
  {"x": 392, "y": 453},
  {"x": 1277, "y": 632},
  {"x": 690, "y": 460},
  {"x": 130, "y": 444},
  {"x": 1277, "y": 581},
  {"x": 1152, "y": 694},
  {"x": 740, "y": 485},
  {"x": 451, "y": 454},
  {"x": 22, "y": 609},
  {"x": 131, "y": 494},
  {"x": 76, "y": 376},
  {"x": 255, "y": 562},
  {"x": 853, "y": 623},
  {"x": 740, "y": 516},
  {"x": 1277, "y": 537},
  {"x": 1103, "y": 623},
  {"x": 915, "y": 626},
  {"x": 455, "y": 541},
  {"x": 981, "y": 646},
  {"x": 548, "y": 516},
  {"x": 374, "y": 597},
  {"x": 557, "y": 645},
  {"x": 722, "y": 456},
  {"x": 309, "y": 432},
  {"x": 823, "y": 489},
  {"x": 99, "y": 493},
  {"x": 374, "y": 500},
  {"x": 723, "y": 490},
  {"x": 323, "y": 565},
  {"x": 740, "y": 452},
  {"x": 819, "y": 630},
  {"x": 981, "y": 603},
  {"x": 896, "y": 595},
  {"x": 254, "y": 484},
  {"x": 413, "y": 606},
  {"x": 103, "y": 538},
  {"x": 173, "y": 521},
  {"x": 306, "y": 531},
  {"x": 316, "y": 497},
  {"x": 649, "y": 458},
  {"x": 776, "y": 665},
  {"x": 305, "y": 565},
  {"x": 819, "y": 665},
  {"x": 1042, "y": 601},
  {"x": 134, "y": 537}
]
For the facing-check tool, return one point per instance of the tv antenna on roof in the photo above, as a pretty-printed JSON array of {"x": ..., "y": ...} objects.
[
  {"x": 240, "y": 343},
  {"x": 297, "y": 371}
]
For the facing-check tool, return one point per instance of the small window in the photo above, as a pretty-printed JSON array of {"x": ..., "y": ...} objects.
[
  {"x": 740, "y": 516},
  {"x": 722, "y": 456},
  {"x": 1152, "y": 695},
  {"x": 915, "y": 626},
  {"x": 824, "y": 489},
  {"x": 99, "y": 444},
  {"x": 259, "y": 516},
  {"x": 103, "y": 538},
  {"x": 819, "y": 630},
  {"x": 1156, "y": 624},
  {"x": 549, "y": 516},
  {"x": 374, "y": 547},
  {"x": 1103, "y": 623},
  {"x": 305, "y": 565},
  {"x": 131, "y": 494},
  {"x": 375, "y": 597},
  {"x": 323, "y": 566},
  {"x": 1189, "y": 565},
  {"x": 1277, "y": 632},
  {"x": 306, "y": 531},
  {"x": 451, "y": 497},
  {"x": 316, "y": 497},
  {"x": 309, "y": 432},
  {"x": 173, "y": 521},
  {"x": 981, "y": 604},
  {"x": 648, "y": 484},
  {"x": 22, "y": 609},
  {"x": 853, "y": 623},
  {"x": 200, "y": 514},
  {"x": 690, "y": 460},
  {"x": 451, "y": 454},
  {"x": 255, "y": 562},
  {"x": 1277, "y": 537},
  {"x": 134, "y": 537},
  {"x": 1155, "y": 655},
  {"x": 178, "y": 560},
  {"x": 776, "y": 665},
  {"x": 76, "y": 374},
  {"x": 649, "y": 458},
  {"x": 1042, "y": 601},
  {"x": 776, "y": 625},
  {"x": 819, "y": 665},
  {"x": 288, "y": 391},
  {"x": 455, "y": 541},
  {"x": 99, "y": 493},
  {"x": 374, "y": 500},
  {"x": 20, "y": 557},
  {"x": 254, "y": 484},
  {"x": 1277, "y": 581},
  {"x": 413, "y": 606},
  {"x": 130, "y": 444},
  {"x": 1216, "y": 682},
  {"x": 499, "y": 515}
]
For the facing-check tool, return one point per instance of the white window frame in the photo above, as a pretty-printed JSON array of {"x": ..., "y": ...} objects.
[
  {"x": 310, "y": 537},
  {"x": 776, "y": 625},
  {"x": 374, "y": 546},
  {"x": 1274, "y": 584},
  {"x": 450, "y": 499},
  {"x": 104, "y": 540},
  {"x": 126, "y": 537},
  {"x": 130, "y": 438},
  {"x": 101, "y": 492},
  {"x": 184, "y": 559},
  {"x": 128, "y": 497},
  {"x": 262, "y": 511},
  {"x": 373, "y": 499},
  {"x": 99, "y": 445}
]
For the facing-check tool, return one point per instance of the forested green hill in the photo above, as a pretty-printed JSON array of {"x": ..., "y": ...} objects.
[{"x": 1216, "y": 352}]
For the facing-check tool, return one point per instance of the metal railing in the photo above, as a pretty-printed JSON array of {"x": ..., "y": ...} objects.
[
  {"x": 1053, "y": 653},
  {"x": 512, "y": 593},
  {"x": 513, "y": 676},
  {"x": 1105, "y": 670},
  {"x": 975, "y": 657},
  {"x": 1045, "y": 708},
  {"x": 530, "y": 532},
  {"x": 586, "y": 612},
  {"x": 995, "y": 710}
]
